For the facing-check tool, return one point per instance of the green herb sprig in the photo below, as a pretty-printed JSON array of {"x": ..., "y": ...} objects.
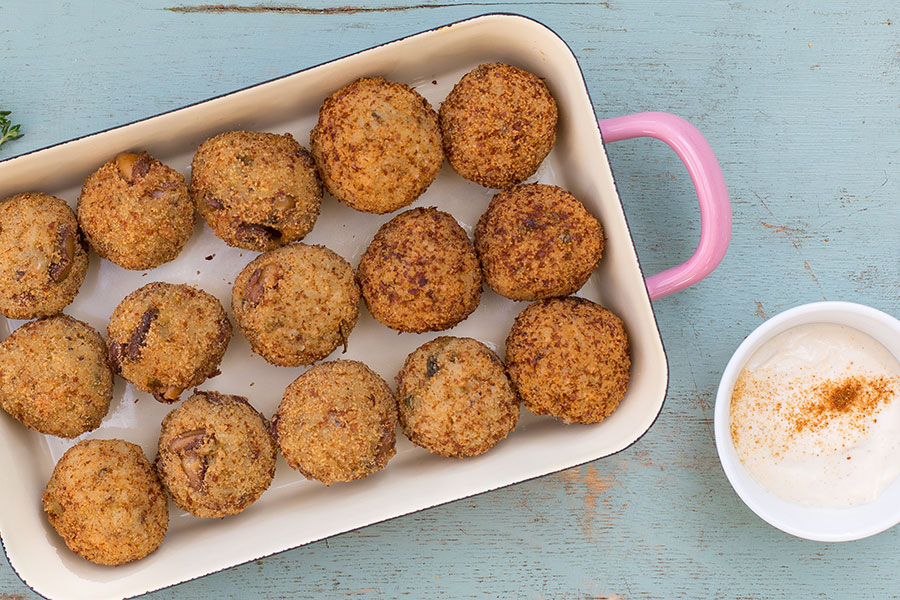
[{"x": 8, "y": 131}]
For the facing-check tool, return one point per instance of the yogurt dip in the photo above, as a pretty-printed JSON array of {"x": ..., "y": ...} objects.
[{"x": 815, "y": 416}]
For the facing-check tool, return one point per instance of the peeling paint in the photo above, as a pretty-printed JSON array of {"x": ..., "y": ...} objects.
[
  {"x": 793, "y": 234},
  {"x": 593, "y": 489},
  {"x": 790, "y": 231},
  {"x": 808, "y": 268},
  {"x": 866, "y": 278},
  {"x": 344, "y": 10},
  {"x": 596, "y": 487},
  {"x": 759, "y": 310}
]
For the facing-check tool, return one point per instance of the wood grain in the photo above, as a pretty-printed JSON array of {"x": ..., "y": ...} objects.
[{"x": 801, "y": 103}]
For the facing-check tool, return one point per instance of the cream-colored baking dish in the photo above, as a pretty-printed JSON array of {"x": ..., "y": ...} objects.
[{"x": 295, "y": 511}]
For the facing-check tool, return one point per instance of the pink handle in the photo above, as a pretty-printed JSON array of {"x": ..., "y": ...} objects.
[{"x": 701, "y": 163}]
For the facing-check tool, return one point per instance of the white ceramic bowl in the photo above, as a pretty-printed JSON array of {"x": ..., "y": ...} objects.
[{"x": 820, "y": 524}]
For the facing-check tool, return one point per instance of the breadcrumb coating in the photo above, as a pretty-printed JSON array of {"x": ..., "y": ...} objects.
[
  {"x": 337, "y": 422},
  {"x": 498, "y": 124},
  {"x": 215, "y": 455},
  {"x": 43, "y": 259},
  {"x": 296, "y": 304},
  {"x": 455, "y": 398},
  {"x": 537, "y": 241},
  {"x": 135, "y": 211},
  {"x": 256, "y": 190},
  {"x": 165, "y": 338},
  {"x": 569, "y": 358},
  {"x": 106, "y": 502},
  {"x": 420, "y": 272},
  {"x": 54, "y": 377},
  {"x": 377, "y": 144}
]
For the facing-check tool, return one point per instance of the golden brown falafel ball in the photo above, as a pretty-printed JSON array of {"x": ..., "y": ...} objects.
[
  {"x": 498, "y": 124},
  {"x": 256, "y": 190},
  {"x": 296, "y": 304},
  {"x": 377, "y": 144},
  {"x": 569, "y": 358},
  {"x": 166, "y": 337},
  {"x": 537, "y": 241},
  {"x": 216, "y": 455},
  {"x": 43, "y": 260},
  {"x": 420, "y": 273},
  {"x": 106, "y": 502},
  {"x": 135, "y": 211},
  {"x": 54, "y": 377},
  {"x": 336, "y": 422},
  {"x": 455, "y": 398}
]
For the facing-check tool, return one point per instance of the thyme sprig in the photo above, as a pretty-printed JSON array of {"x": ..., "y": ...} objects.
[{"x": 8, "y": 131}]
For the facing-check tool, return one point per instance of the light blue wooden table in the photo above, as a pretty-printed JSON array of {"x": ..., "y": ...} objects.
[{"x": 800, "y": 101}]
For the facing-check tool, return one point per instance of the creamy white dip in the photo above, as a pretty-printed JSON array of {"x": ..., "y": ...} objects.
[{"x": 815, "y": 416}]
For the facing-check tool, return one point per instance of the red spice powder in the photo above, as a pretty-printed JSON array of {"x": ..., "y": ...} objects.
[{"x": 856, "y": 397}]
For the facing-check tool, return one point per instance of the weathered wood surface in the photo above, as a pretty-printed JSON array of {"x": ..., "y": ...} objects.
[{"x": 802, "y": 105}]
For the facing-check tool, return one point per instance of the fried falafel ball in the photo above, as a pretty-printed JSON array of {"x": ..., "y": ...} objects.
[
  {"x": 216, "y": 455},
  {"x": 498, "y": 124},
  {"x": 537, "y": 241},
  {"x": 135, "y": 211},
  {"x": 569, "y": 358},
  {"x": 296, "y": 304},
  {"x": 43, "y": 259},
  {"x": 106, "y": 502},
  {"x": 377, "y": 144},
  {"x": 420, "y": 272},
  {"x": 337, "y": 422},
  {"x": 54, "y": 377},
  {"x": 166, "y": 337},
  {"x": 256, "y": 190},
  {"x": 455, "y": 398}
]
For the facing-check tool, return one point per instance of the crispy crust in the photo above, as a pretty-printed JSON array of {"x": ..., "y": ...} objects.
[
  {"x": 455, "y": 398},
  {"x": 537, "y": 241},
  {"x": 498, "y": 124},
  {"x": 569, "y": 358},
  {"x": 165, "y": 338},
  {"x": 106, "y": 502},
  {"x": 337, "y": 422},
  {"x": 215, "y": 454},
  {"x": 54, "y": 377},
  {"x": 420, "y": 273},
  {"x": 43, "y": 259},
  {"x": 256, "y": 190},
  {"x": 296, "y": 304},
  {"x": 377, "y": 144},
  {"x": 135, "y": 211}
]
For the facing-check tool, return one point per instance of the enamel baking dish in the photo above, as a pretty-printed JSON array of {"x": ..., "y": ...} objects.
[{"x": 295, "y": 511}]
